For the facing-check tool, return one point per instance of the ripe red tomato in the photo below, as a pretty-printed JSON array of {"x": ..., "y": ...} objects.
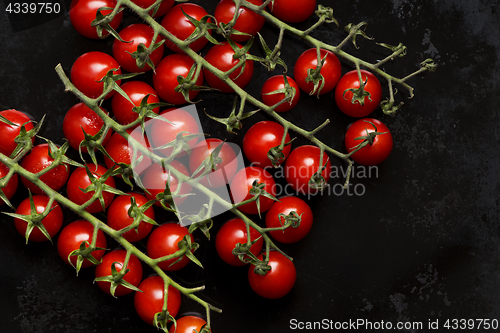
[
  {"x": 133, "y": 35},
  {"x": 292, "y": 11},
  {"x": 375, "y": 152},
  {"x": 164, "y": 7},
  {"x": 165, "y": 78},
  {"x": 261, "y": 137},
  {"x": 136, "y": 91},
  {"x": 188, "y": 324},
  {"x": 83, "y": 12},
  {"x": 81, "y": 118},
  {"x": 164, "y": 241},
  {"x": 231, "y": 233},
  {"x": 226, "y": 169},
  {"x": 330, "y": 71},
  {"x": 221, "y": 56},
  {"x": 302, "y": 164},
  {"x": 52, "y": 222},
  {"x": 242, "y": 184},
  {"x": 39, "y": 159},
  {"x": 276, "y": 83},
  {"x": 150, "y": 301},
  {"x": 73, "y": 235},
  {"x": 89, "y": 68},
  {"x": 116, "y": 258},
  {"x": 247, "y": 22},
  {"x": 179, "y": 25},
  {"x": 344, "y": 97},
  {"x": 10, "y": 189},
  {"x": 8, "y": 133},
  {"x": 285, "y": 206},
  {"x": 278, "y": 281},
  {"x": 119, "y": 218},
  {"x": 79, "y": 180}
]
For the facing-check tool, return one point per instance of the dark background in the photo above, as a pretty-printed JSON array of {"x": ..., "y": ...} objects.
[{"x": 421, "y": 244}]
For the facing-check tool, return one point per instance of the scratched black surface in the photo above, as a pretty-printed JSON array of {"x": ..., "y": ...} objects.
[{"x": 421, "y": 244}]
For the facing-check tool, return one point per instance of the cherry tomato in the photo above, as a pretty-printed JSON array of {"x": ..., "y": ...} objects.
[
  {"x": 278, "y": 281},
  {"x": 164, "y": 241},
  {"x": 344, "y": 97},
  {"x": 242, "y": 184},
  {"x": 285, "y": 206},
  {"x": 89, "y": 68},
  {"x": 188, "y": 324},
  {"x": 119, "y": 218},
  {"x": 375, "y": 152},
  {"x": 116, "y": 258},
  {"x": 221, "y": 57},
  {"x": 179, "y": 25},
  {"x": 83, "y": 12},
  {"x": 261, "y": 137},
  {"x": 164, "y": 7},
  {"x": 165, "y": 78},
  {"x": 79, "y": 180},
  {"x": 52, "y": 222},
  {"x": 39, "y": 159},
  {"x": 292, "y": 11},
  {"x": 72, "y": 236},
  {"x": 78, "y": 119},
  {"x": 136, "y": 91},
  {"x": 276, "y": 83},
  {"x": 11, "y": 187},
  {"x": 330, "y": 71},
  {"x": 247, "y": 22},
  {"x": 150, "y": 301},
  {"x": 133, "y": 35},
  {"x": 231, "y": 233},
  {"x": 8, "y": 133},
  {"x": 303, "y": 163}
]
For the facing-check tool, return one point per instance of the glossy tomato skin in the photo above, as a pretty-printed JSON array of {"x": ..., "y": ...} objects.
[
  {"x": 247, "y": 22},
  {"x": 79, "y": 180},
  {"x": 119, "y": 218},
  {"x": 73, "y": 235},
  {"x": 302, "y": 164},
  {"x": 89, "y": 68},
  {"x": 343, "y": 97},
  {"x": 242, "y": 184},
  {"x": 165, "y": 78},
  {"x": 188, "y": 324},
  {"x": 52, "y": 222},
  {"x": 136, "y": 91},
  {"x": 285, "y": 206},
  {"x": 331, "y": 70},
  {"x": 39, "y": 159},
  {"x": 231, "y": 233},
  {"x": 179, "y": 25},
  {"x": 136, "y": 34},
  {"x": 150, "y": 301},
  {"x": 164, "y": 241},
  {"x": 10, "y": 189},
  {"x": 162, "y": 10},
  {"x": 8, "y": 133},
  {"x": 371, "y": 154},
  {"x": 278, "y": 281},
  {"x": 221, "y": 56},
  {"x": 117, "y": 258},
  {"x": 292, "y": 11},
  {"x": 83, "y": 12},
  {"x": 270, "y": 98},
  {"x": 261, "y": 137}
]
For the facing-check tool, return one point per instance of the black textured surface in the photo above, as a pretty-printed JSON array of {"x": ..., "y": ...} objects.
[{"x": 421, "y": 244}]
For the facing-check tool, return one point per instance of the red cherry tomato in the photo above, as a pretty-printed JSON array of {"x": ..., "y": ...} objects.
[
  {"x": 374, "y": 153},
  {"x": 164, "y": 7},
  {"x": 330, "y": 71},
  {"x": 116, "y": 258},
  {"x": 242, "y": 184},
  {"x": 247, "y": 22},
  {"x": 344, "y": 97},
  {"x": 11, "y": 187},
  {"x": 292, "y": 11},
  {"x": 278, "y": 281},
  {"x": 72, "y": 236},
  {"x": 285, "y": 206},
  {"x": 179, "y": 25},
  {"x": 8, "y": 133},
  {"x": 136, "y": 91},
  {"x": 270, "y": 97},
  {"x": 221, "y": 57},
  {"x": 188, "y": 324},
  {"x": 261, "y": 137},
  {"x": 83, "y": 12},
  {"x": 164, "y": 241},
  {"x": 89, "y": 68},
  {"x": 150, "y": 301},
  {"x": 165, "y": 78},
  {"x": 302, "y": 163}
]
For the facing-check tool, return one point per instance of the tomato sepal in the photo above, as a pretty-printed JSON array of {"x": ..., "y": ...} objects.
[
  {"x": 102, "y": 23},
  {"x": 82, "y": 253},
  {"x": 234, "y": 120},
  {"x": 357, "y": 30},
  {"x": 116, "y": 279},
  {"x": 98, "y": 186},
  {"x": 25, "y": 139}
]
